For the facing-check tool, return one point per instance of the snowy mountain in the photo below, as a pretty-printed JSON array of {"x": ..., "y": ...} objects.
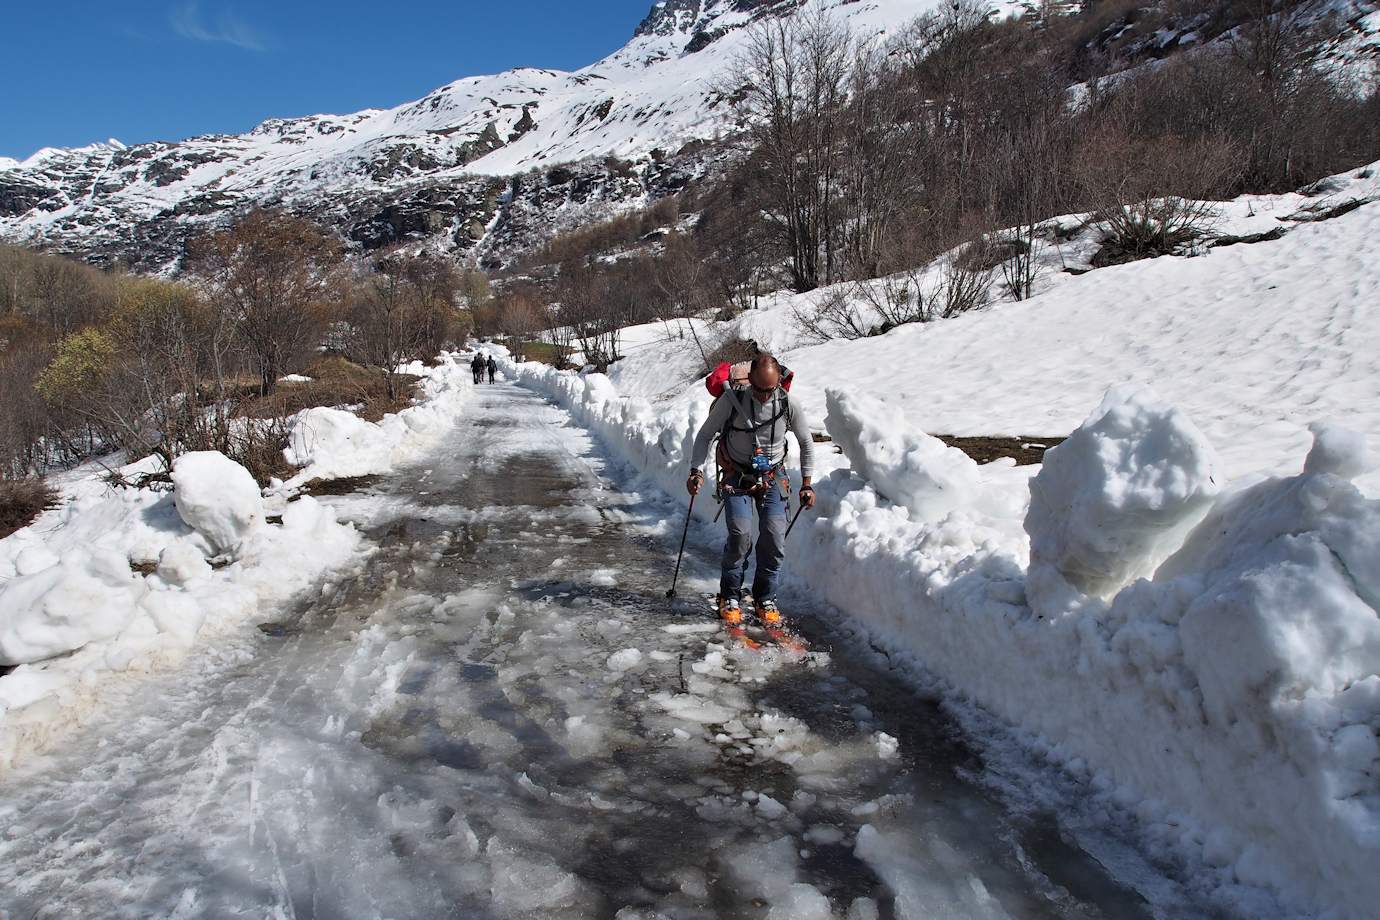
[
  {"x": 469, "y": 165},
  {"x": 487, "y": 166}
]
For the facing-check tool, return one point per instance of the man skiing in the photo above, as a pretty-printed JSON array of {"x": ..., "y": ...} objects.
[
  {"x": 752, "y": 423},
  {"x": 493, "y": 368}
]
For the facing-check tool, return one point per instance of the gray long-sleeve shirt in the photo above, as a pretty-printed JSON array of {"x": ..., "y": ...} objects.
[{"x": 750, "y": 413}]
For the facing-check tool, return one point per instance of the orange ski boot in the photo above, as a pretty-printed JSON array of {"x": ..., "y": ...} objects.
[
  {"x": 731, "y": 612},
  {"x": 775, "y": 626}
]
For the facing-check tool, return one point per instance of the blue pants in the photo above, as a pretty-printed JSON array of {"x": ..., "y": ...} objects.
[{"x": 771, "y": 543}]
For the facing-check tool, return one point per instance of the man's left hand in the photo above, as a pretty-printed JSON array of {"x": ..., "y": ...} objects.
[{"x": 807, "y": 496}]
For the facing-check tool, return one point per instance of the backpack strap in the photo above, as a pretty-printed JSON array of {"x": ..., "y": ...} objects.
[{"x": 754, "y": 427}]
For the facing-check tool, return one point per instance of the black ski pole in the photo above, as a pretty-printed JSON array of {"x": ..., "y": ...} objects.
[
  {"x": 671, "y": 592},
  {"x": 798, "y": 509}
]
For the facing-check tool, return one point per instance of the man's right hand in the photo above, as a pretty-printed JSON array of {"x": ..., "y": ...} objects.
[{"x": 692, "y": 485}]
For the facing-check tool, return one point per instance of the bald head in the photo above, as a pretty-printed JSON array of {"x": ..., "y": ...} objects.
[{"x": 765, "y": 374}]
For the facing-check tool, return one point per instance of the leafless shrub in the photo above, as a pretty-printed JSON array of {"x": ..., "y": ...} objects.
[
  {"x": 837, "y": 314},
  {"x": 596, "y": 302},
  {"x": 1152, "y": 227},
  {"x": 898, "y": 299},
  {"x": 258, "y": 447},
  {"x": 1021, "y": 268},
  {"x": 955, "y": 283},
  {"x": 963, "y": 287},
  {"x": 274, "y": 274},
  {"x": 22, "y": 500},
  {"x": 732, "y": 350},
  {"x": 1124, "y": 175}
]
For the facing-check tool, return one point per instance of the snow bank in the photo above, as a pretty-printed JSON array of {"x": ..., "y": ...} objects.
[
  {"x": 330, "y": 443},
  {"x": 51, "y": 610},
  {"x": 74, "y": 614},
  {"x": 911, "y": 468},
  {"x": 334, "y": 443},
  {"x": 1117, "y": 497},
  {"x": 217, "y": 498},
  {"x": 1204, "y": 656}
]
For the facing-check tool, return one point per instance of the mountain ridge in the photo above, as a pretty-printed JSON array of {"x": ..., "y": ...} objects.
[
  {"x": 447, "y": 167},
  {"x": 484, "y": 167}
]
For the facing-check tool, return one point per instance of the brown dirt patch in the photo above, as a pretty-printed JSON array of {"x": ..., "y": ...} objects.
[
  {"x": 1026, "y": 450},
  {"x": 342, "y": 486}
]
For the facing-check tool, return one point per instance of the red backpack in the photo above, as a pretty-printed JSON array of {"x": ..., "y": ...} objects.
[{"x": 736, "y": 376}]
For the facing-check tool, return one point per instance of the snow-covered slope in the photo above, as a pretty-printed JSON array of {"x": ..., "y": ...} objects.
[
  {"x": 1180, "y": 605},
  {"x": 1253, "y": 340},
  {"x": 424, "y": 167}
]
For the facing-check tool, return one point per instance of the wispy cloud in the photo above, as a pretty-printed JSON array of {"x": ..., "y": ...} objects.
[{"x": 189, "y": 21}]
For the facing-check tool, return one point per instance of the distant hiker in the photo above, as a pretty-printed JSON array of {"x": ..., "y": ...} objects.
[
  {"x": 752, "y": 422},
  {"x": 493, "y": 368},
  {"x": 477, "y": 367}
]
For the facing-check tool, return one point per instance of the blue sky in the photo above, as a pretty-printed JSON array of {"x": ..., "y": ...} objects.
[{"x": 139, "y": 70}]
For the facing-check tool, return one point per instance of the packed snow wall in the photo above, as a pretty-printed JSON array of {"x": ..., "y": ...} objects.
[{"x": 1205, "y": 653}]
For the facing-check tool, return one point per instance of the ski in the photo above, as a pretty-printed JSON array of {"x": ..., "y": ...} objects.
[
  {"x": 784, "y": 637},
  {"x": 781, "y": 633},
  {"x": 740, "y": 635},
  {"x": 759, "y": 635},
  {"x": 738, "y": 632}
]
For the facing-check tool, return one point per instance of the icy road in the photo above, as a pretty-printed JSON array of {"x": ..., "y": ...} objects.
[{"x": 497, "y": 714}]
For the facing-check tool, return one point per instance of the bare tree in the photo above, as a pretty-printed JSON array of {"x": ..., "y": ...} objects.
[
  {"x": 879, "y": 169},
  {"x": 271, "y": 272},
  {"x": 791, "y": 85},
  {"x": 402, "y": 310},
  {"x": 684, "y": 275},
  {"x": 588, "y": 308},
  {"x": 1024, "y": 168},
  {"x": 518, "y": 316}
]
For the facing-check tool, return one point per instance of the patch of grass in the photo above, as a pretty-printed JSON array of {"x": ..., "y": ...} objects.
[
  {"x": 22, "y": 500},
  {"x": 544, "y": 352},
  {"x": 335, "y": 381}
]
